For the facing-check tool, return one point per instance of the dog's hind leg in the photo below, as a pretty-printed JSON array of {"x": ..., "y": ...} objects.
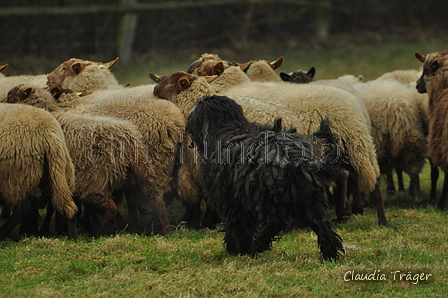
[
  {"x": 268, "y": 232},
  {"x": 330, "y": 243}
]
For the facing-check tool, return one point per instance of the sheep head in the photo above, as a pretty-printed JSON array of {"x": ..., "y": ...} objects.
[
  {"x": 205, "y": 66},
  {"x": 274, "y": 64},
  {"x": 299, "y": 76},
  {"x": 433, "y": 75},
  {"x": 32, "y": 96},
  {"x": 170, "y": 86},
  {"x": 64, "y": 73}
]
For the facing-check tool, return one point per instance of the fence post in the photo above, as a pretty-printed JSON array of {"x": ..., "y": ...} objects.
[
  {"x": 126, "y": 32},
  {"x": 323, "y": 17}
]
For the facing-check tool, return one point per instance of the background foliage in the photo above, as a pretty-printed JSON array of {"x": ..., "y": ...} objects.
[{"x": 235, "y": 27}]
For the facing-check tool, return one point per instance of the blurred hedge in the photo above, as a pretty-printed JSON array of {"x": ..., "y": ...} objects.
[{"x": 231, "y": 26}]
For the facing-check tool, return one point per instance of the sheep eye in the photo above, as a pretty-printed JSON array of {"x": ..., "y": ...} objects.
[{"x": 434, "y": 66}]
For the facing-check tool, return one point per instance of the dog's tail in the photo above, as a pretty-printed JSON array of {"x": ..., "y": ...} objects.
[{"x": 330, "y": 161}]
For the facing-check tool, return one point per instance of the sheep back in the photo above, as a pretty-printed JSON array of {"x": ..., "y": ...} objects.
[
  {"x": 312, "y": 102},
  {"x": 31, "y": 139}
]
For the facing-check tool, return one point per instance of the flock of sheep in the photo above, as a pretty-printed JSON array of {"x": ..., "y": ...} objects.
[{"x": 78, "y": 142}]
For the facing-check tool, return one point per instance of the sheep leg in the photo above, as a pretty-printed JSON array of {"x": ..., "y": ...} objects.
[
  {"x": 6, "y": 213},
  {"x": 434, "y": 178},
  {"x": 377, "y": 198},
  {"x": 20, "y": 211},
  {"x": 192, "y": 215},
  {"x": 343, "y": 210},
  {"x": 211, "y": 217},
  {"x": 415, "y": 190},
  {"x": 29, "y": 225},
  {"x": 45, "y": 229},
  {"x": 390, "y": 188},
  {"x": 442, "y": 200},
  {"x": 71, "y": 228},
  {"x": 358, "y": 205},
  {"x": 159, "y": 207},
  {"x": 399, "y": 173}
]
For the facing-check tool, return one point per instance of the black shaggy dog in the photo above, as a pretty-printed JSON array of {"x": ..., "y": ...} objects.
[{"x": 259, "y": 178}]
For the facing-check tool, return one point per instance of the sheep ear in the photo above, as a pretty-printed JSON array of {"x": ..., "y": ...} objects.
[
  {"x": 420, "y": 56},
  {"x": 3, "y": 67},
  {"x": 284, "y": 76},
  {"x": 311, "y": 72},
  {"x": 218, "y": 69},
  {"x": 27, "y": 92},
  {"x": 78, "y": 67},
  {"x": 184, "y": 83},
  {"x": 277, "y": 63},
  {"x": 360, "y": 78},
  {"x": 56, "y": 92},
  {"x": 209, "y": 79},
  {"x": 155, "y": 77}
]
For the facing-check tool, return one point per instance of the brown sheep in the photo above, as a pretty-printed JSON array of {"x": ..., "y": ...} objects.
[
  {"x": 108, "y": 155},
  {"x": 434, "y": 82},
  {"x": 83, "y": 75},
  {"x": 34, "y": 162}
]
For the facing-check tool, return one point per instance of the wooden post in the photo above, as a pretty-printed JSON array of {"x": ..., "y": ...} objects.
[
  {"x": 126, "y": 32},
  {"x": 323, "y": 17}
]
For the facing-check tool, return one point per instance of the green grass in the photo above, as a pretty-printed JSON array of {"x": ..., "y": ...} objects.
[{"x": 195, "y": 263}]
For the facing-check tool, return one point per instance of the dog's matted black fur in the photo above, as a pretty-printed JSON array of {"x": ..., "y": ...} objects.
[{"x": 259, "y": 178}]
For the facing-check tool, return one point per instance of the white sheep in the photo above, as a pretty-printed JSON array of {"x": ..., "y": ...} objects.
[
  {"x": 403, "y": 76},
  {"x": 33, "y": 154},
  {"x": 108, "y": 154},
  {"x": 397, "y": 128}
]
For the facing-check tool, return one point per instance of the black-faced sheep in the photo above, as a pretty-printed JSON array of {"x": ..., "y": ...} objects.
[
  {"x": 35, "y": 163},
  {"x": 258, "y": 177},
  {"x": 434, "y": 82},
  {"x": 108, "y": 155},
  {"x": 299, "y": 76}
]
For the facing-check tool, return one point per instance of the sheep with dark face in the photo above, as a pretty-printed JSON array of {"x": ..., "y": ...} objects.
[
  {"x": 299, "y": 76},
  {"x": 258, "y": 177}
]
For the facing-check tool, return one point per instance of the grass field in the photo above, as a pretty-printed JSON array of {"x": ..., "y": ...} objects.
[{"x": 409, "y": 258}]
